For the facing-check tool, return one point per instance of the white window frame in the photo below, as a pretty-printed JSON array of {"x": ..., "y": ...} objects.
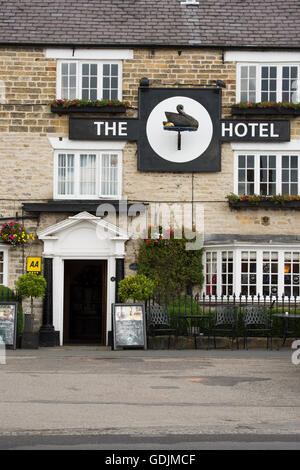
[
  {"x": 278, "y": 154},
  {"x": 77, "y": 154},
  {"x": 237, "y": 249},
  {"x": 4, "y": 250},
  {"x": 79, "y": 64},
  {"x": 258, "y": 78}
]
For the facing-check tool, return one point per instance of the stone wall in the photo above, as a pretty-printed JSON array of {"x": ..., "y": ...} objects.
[{"x": 29, "y": 83}]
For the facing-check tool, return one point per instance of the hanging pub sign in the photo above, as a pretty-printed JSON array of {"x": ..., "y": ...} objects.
[
  {"x": 8, "y": 323},
  {"x": 129, "y": 326},
  {"x": 179, "y": 130}
]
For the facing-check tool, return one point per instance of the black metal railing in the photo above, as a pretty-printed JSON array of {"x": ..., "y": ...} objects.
[{"x": 198, "y": 304}]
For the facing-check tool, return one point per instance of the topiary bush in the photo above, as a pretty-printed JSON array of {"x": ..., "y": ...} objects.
[
  {"x": 137, "y": 287},
  {"x": 31, "y": 285}
]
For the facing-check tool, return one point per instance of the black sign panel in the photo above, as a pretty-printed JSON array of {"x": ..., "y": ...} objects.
[
  {"x": 103, "y": 129},
  {"x": 129, "y": 325},
  {"x": 234, "y": 130},
  {"x": 179, "y": 130},
  {"x": 8, "y": 322}
]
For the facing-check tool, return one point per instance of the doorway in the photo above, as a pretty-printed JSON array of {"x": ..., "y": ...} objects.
[{"x": 85, "y": 301}]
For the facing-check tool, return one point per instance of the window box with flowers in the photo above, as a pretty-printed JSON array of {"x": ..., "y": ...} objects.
[
  {"x": 88, "y": 106},
  {"x": 277, "y": 201},
  {"x": 15, "y": 234},
  {"x": 266, "y": 107}
]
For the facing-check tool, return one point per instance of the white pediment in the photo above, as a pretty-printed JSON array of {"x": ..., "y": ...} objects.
[{"x": 83, "y": 235}]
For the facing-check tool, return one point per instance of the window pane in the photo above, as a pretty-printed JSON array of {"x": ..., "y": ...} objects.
[
  {"x": 110, "y": 81},
  {"x": 211, "y": 273},
  {"x": 291, "y": 273},
  {"x": 68, "y": 80},
  {"x": 109, "y": 175},
  {"x": 248, "y": 83},
  {"x": 89, "y": 81},
  {"x": 268, "y": 83},
  {"x": 87, "y": 174},
  {"x": 289, "y": 174},
  {"x": 246, "y": 175},
  {"x": 65, "y": 174}
]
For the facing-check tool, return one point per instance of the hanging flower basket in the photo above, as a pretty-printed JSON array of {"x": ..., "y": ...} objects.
[{"x": 15, "y": 234}]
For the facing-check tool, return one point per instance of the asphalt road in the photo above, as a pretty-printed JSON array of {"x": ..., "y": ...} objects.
[{"x": 90, "y": 398}]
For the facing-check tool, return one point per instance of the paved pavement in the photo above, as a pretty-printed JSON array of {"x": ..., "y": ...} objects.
[{"x": 95, "y": 398}]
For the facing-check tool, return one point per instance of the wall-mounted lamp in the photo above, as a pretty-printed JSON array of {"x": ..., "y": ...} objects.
[
  {"x": 144, "y": 82},
  {"x": 219, "y": 83}
]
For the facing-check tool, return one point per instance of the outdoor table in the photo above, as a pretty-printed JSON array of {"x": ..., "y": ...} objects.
[
  {"x": 286, "y": 318},
  {"x": 197, "y": 325}
]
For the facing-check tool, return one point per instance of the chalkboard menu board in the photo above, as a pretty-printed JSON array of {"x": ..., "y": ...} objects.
[
  {"x": 129, "y": 326},
  {"x": 8, "y": 322}
]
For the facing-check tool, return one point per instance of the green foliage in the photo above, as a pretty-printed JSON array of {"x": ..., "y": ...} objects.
[
  {"x": 6, "y": 295},
  {"x": 167, "y": 262},
  {"x": 137, "y": 287},
  {"x": 31, "y": 285}
]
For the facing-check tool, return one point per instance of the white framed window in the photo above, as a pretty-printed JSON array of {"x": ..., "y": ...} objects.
[
  {"x": 268, "y": 82},
  {"x": 87, "y": 174},
  {"x": 266, "y": 173},
  {"x": 89, "y": 79},
  {"x": 252, "y": 271},
  {"x": 3, "y": 265}
]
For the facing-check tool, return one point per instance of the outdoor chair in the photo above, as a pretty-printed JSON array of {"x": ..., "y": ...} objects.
[
  {"x": 226, "y": 317},
  {"x": 196, "y": 326},
  {"x": 158, "y": 320},
  {"x": 257, "y": 318}
]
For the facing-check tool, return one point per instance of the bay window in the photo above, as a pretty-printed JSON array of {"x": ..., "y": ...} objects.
[
  {"x": 89, "y": 80},
  {"x": 87, "y": 174},
  {"x": 268, "y": 82},
  {"x": 252, "y": 271}
]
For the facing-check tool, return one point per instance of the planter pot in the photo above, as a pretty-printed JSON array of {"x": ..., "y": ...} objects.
[
  {"x": 265, "y": 205},
  {"x": 236, "y": 110},
  {"x": 88, "y": 109}
]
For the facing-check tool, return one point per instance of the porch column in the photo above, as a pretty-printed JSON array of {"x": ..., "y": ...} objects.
[
  {"x": 119, "y": 275},
  {"x": 48, "y": 336}
]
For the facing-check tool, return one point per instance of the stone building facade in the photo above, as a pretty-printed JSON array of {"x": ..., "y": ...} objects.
[{"x": 250, "y": 251}]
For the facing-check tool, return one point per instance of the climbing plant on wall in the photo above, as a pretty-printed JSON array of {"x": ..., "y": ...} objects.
[{"x": 165, "y": 259}]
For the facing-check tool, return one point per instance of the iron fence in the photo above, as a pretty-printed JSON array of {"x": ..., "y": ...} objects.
[{"x": 197, "y": 304}]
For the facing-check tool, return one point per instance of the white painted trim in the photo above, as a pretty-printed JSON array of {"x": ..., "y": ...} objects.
[
  {"x": 266, "y": 56},
  {"x": 87, "y": 54},
  {"x": 4, "y": 249},
  {"x": 79, "y": 64},
  {"x": 278, "y": 155},
  {"x": 97, "y": 195},
  {"x": 293, "y": 145},
  {"x": 67, "y": 144}
]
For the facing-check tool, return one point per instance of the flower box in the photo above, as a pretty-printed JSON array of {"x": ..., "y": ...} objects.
[
  {"x": 88, "y": 109},
  {"x": 295, "y": 204},
  {"x": 280, "y": 111}
]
